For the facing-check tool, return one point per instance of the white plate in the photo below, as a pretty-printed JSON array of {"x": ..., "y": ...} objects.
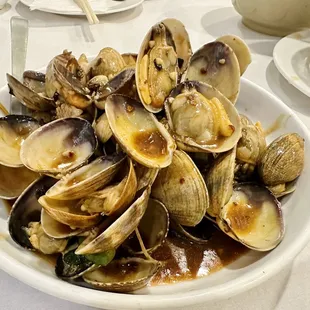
[
  {"x": 243, "y": 274},
  {"x": 100, "y": 7},
  {"x": 292, "y": 58}
]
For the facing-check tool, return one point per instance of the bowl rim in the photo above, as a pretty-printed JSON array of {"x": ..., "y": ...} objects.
[{"x": 100, "y": 299}]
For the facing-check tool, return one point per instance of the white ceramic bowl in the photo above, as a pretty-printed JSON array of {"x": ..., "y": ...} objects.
[{"x": 243, "y": 274}]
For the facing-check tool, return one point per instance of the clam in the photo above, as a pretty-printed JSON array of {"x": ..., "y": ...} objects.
[
  {"x": 253, "y": 217},
  {"x": 114, "y": 232},
  {"x": 176, "y": 185},
  {"x": 283, "y": 189},
  {"x": 219, "y": 181},
  {"x": 108, "y": 62},
  {"x": 13, "y": 181},
  {"x": 55, "y": 229},
  {"x": 157, "y": 68},
  {"x": 110, "y": 199},
  {"x": 86, "y": 179},
  {"x": 102, "y": 129},
  {"x": 217, "y": 65},
  {"x": 29, "y": 97},
  {"x": 119, "y": 84},
  {"x": 153, "y": 228},
  {"x": 283, "y": 160},
  {"x": 65, "y": 78},
  {"x": 35, "y": 81},
  {"x": 27, "y": 209},
  {"x": 138, "y": 132},
  {"x": 69, "y": 212},
  {"x": 250, "y": 149},
  {"x": 240, "y": 49},
  {"x": 202, "y": 119},
  {"x": 123, "y": 275},
  {"x": 182, "y": 42},
  {"x": 200, "y": 234},
  {"x": 14, "y": 129},
  {"x": 59, "y": 147}
]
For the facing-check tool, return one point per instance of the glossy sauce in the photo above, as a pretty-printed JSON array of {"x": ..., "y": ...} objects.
[
  {"x": 185, "y": 260},
  {"x": 277, "y": 124},
  {"x": 150, "y": 143}
]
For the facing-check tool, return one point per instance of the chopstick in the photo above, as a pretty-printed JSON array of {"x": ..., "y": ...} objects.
[{"x": 87, "y": 9}]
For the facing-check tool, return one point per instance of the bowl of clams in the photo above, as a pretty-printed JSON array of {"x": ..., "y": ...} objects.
[{"x": 154, "y": 179}]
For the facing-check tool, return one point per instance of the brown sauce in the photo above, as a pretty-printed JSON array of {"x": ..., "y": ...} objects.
[
  {"x": 277, "y": 124},
  {"x": 151, "y": 143},
  {"x": 185, "y": 260}
]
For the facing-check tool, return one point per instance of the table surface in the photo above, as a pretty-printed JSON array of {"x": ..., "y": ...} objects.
[{"x": 205, "y": 20}]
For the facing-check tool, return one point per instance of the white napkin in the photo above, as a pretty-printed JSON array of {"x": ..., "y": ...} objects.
[{"x": 99, "y": 6}]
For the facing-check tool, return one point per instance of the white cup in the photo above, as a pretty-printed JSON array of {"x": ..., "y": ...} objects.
[{"x": 274, "y": 17}]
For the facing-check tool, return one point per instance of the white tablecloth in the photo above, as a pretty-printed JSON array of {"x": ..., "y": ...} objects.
[{"x": 205, "y": 20}]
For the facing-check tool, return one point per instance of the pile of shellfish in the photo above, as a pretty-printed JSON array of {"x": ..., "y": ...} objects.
[{"x": 122, "y": 148}]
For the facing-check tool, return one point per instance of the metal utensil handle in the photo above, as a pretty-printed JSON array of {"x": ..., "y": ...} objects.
[{"x": 19, "y": 42}]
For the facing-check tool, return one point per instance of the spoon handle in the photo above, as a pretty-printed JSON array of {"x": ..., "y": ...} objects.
[{"x": 19, "y": 41}]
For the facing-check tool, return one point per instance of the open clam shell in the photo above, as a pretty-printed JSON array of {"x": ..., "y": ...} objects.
[
  {"x": 68, "y": 212},
  {"x": 14, "y": 129},
  {"x": 123, "y": 275},
  {"x": 55, "y": 229},
  {"x": 240, "y": 49},
  {"x": 153, "y": 228},
  {"x": 182, "y": 42},
  {"x": 28, "y": 97},
  {"x": 139, "y": 133},
  {"x": 13, "y": 181},
  {"x": 219, "y": 181},
  {"x": 110, "y": 199},
  {"x": 157, "y": 68},
  {"x": 176, "y": 185},
  {"x": 202, "y": 119},
  {"x": 27, "y": 209},
  {"x": 145, "y": 176},
  {"x": 59, "y": 147},
  {"x": 116, "y": 232},
  {"x": 86, "y": 179},
  {"x": 253, "y": 217},
  {"x": 200, "y": 234},
  {"x": 120, "y": 82},
  {"x": 217, "y": 65}
]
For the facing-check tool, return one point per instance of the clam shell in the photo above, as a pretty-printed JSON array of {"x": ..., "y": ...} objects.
[
  {"x": 153, "y": 228},
  {"x": 130, "y": 59},
  {"x": 34, "y": 80},
  {"x": 240, "y": 49},
  {"x": 68, "y": 212},
  {"x": 13, "y": 181},
  {"x": 190, "y": 118},
  {"x": 253, "y": 217},
  {"x": 55, "y": 229},
  {"x": 283, "y": 160},
  {"x": 27, "y": 209},
  {"x": 181, "y": 41},
  {"x": 59, "y": 147},
  {"x": 86, "y": 179},
  {"x": 110, "y": 199},
  {"x": 219, "y": 181},
  {"x": 145, "y": 176},
  {"x": 123, "y": 275},
  {"x": 14, "y": 129},
  {"x": 176, "y": 185},
  {"x": 28, "y": 97},
  {"x": 217, "y": 65},
  {"x": 139, "y": 133},
  {"x": 157, "y": 80},
  {"x": 119, "y": 230},
  {"x": 102, "y": 129}
]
